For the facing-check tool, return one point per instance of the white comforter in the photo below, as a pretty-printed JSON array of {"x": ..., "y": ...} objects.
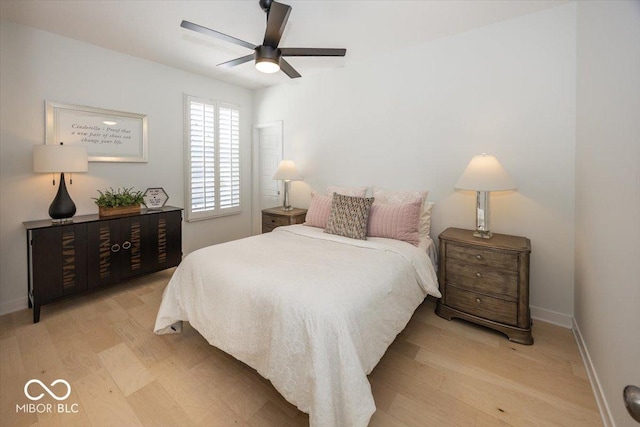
[{"x": 311, "y": 312}]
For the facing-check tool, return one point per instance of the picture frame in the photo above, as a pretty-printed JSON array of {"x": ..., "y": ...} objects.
[
  {"x": 109, "y": 135},
  {"x": 155, "y": 198}
]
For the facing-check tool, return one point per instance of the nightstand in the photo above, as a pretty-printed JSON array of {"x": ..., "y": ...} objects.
[
  {"x": 275, "y": 217},
  {"x": 486, "y": 281}
]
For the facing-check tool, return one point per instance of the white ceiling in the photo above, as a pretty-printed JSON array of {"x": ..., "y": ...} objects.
[{"x": 151, "y": 29}]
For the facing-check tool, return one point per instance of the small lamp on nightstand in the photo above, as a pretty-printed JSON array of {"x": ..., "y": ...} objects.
[
  {"x": 60, "y": 159},
  {"x": 484, "y": 174},
  {"x": 287, "y": 172}
]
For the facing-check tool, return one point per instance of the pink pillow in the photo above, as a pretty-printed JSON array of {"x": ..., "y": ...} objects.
[
  {"x": 319, "y": 210},
  {"x": 398, "y": 222}
]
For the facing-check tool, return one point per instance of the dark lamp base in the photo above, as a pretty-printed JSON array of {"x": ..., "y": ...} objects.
[{"x": 62, "y": 206}]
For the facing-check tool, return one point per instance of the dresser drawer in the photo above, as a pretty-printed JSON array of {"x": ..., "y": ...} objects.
[
  {"x": 482, "y": 305},
  {"x": 479, "y": 256},
  {"x": 274, "y": 220},
  {"x": 483, "y": 279}
]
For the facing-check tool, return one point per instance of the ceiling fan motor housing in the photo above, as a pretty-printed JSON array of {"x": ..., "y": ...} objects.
[{"x": 270, "y": 54}]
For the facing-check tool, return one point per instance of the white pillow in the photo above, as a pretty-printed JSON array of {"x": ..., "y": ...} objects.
[
  {"x": 347, "y": 191},
  {"x": 400, "y": 197}
]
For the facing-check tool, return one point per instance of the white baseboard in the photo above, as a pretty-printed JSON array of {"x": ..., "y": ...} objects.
[
  {"x": 605, "y": 413},
  {"x": 553, "y": 317},
  {"x": 7, "y": 307}
]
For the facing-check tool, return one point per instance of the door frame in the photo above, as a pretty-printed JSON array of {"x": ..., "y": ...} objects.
[{"x": 256, "y": 213}]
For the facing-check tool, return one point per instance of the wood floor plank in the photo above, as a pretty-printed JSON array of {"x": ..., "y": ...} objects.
[
  {"x": 554, "y": 380},
  {"x": 147, "y": 346},
  {"x": 7, "y": 327},
  {"x": 101, "y": 336},
  {"x": 243, "y": 398},
  {"x": 431, "y": 412},
  {"x": 77, "y": 356},
  {"x": 382, "y": 394},
  {"x": 486, "y": 420},
  {"x": 126, "y": 370},
  {"x": 103, "y": 402},
  {"x": 382, "y": 419},
  {"x": 271, "y": 415},
  {"x": 13, "y": 378},
  {"x": 39, "y": 356},
  {"x": 514, "y": 406},
  {"x": 155, "y": 407},
  {"x": 194, "y": 396},
  {"x": 128, "y": 300}
]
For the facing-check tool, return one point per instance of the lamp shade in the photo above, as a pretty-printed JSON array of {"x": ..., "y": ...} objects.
[
  {"x": 60, "y": 158},
  {"x": 484, "y": 173},
  {"x": 287, "y": 171}
]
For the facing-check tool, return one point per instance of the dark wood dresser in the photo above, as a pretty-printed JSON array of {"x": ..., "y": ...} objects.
[
  {"x": 276, "y": 217},
  {"x": 92, "y": 252},
  {"x": 486, "y": 281}
]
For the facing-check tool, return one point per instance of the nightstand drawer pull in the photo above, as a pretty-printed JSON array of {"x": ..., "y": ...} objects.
[
  {"x": 478, "y": 257},
  {"x": 115, "y": 248},
  {"x": 478, "y": 275},
  {"x": 478, "y": 300}
]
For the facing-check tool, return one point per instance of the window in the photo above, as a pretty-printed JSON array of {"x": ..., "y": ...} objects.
[{"x": 213, "y": 158}]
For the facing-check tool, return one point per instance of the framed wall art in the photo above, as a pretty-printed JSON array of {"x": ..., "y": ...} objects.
[{"x": 110, "y": 136}]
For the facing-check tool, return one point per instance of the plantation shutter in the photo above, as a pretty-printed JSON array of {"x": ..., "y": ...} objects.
[
  {"x": 229, "y": 157},
  {"x": 213, "y": 151}
]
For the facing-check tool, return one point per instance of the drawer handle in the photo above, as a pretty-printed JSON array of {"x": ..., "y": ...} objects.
[
  {"x": 478, "y": 275},
  {"x": 478, "y": 300},
  {"x": 126, "y": 245},
  {"x": 273, "y": 220},
  {"x": 478, "y": 257},
  {"x": 115, "y": 248}
]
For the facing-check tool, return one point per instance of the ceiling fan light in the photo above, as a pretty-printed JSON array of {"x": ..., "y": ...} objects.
[
  {"x": 268, "y": 59},
  {"x": 267, "y": 66}
]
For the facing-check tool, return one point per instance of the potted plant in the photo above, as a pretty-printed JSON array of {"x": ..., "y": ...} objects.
[{"x": 118, "y": 202}]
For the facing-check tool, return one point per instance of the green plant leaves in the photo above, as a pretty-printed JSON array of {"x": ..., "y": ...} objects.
[{"x": 115, "y": 198}]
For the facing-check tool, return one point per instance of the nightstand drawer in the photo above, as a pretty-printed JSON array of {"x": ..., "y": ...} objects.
[
  {"x": 478, "y": 256},
  {"x": 482, "y": 305},
  {"x": 274, "y": 220},
  {"x": 482, "y": 279}
]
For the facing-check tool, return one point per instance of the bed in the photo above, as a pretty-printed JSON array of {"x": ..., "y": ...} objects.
[{"x": 310, "y": 311}]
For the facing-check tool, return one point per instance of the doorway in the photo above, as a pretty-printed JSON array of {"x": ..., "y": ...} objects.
[{"x": 267, "y": 154}]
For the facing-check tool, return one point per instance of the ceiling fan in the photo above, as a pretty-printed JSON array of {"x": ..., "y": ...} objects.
[{"x": 268, "y": 56}]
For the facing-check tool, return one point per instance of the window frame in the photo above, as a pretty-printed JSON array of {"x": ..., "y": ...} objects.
[{"x": 216, "y": 212}]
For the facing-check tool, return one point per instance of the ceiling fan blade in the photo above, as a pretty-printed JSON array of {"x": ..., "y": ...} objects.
[
  {"x": 288, "y": 69},
  {"x": 311, "y": 51},
  {"x": 213, "y": 33},
  {"x": 237, "y": 61},
  {"x": 276, "y": 21}
]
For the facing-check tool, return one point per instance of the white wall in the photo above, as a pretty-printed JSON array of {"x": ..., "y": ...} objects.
[
  {"x": 415, "y": 117},
  {"x": 36, "y": 66},
  {"x": 607, "y": 293}
]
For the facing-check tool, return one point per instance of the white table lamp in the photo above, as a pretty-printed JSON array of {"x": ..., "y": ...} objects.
[
  {"x": 287, "y": 172},
  {"x": 60, "y": 159},
  {"x": 484, "y": 174}
]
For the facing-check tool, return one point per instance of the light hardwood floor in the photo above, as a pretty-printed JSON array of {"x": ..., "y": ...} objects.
[{"x": 436, "y": 373}]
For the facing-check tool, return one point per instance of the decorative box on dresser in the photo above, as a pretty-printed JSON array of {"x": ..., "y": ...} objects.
[
  {"x": 276, "y": 217},
  {"x": 92, "y": 252},
  {"x": 486, "y": 281}
]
